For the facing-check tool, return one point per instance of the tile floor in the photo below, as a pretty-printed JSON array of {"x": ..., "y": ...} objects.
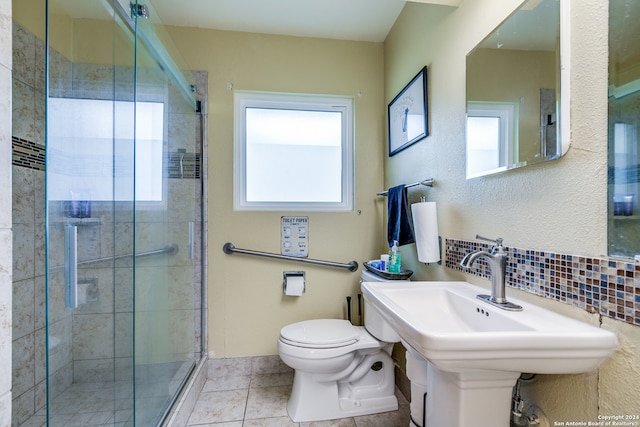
[
  {"x": 89, "y": 404},
  {"x": 229, "y": 398},
  {"x": 261, "y": 401},
  {"x": 111, "y": 403}
]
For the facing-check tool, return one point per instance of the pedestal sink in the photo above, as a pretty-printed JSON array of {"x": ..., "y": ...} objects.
[{"x": 476, "y": 351}]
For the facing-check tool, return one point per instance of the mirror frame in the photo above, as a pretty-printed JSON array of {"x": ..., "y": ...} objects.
[
  {"x": 564, "y": 121},
  {"x": 623, "y": 137}
]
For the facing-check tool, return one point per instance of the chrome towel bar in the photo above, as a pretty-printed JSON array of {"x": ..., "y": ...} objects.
[
  {"x": 229, "y": 248},
  {"x": 428, "y": 182}
]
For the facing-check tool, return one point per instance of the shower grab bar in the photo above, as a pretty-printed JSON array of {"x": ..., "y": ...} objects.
[
  {"x": 229, "y": 248},
  {"x": 71, "y": 263},
  {"x": 170, "y": 249},
  {"x": 428, "y": 182},
  {"x": 71, "y": 266}
]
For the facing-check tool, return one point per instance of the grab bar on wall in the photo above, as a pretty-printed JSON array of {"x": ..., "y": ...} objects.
[
  {"x": 71, "y": 263},
  {"x": 428, "y": 182},
  {"x": 170, "y": 249},
  {"x": 229, "y": 248},
  {"x": 71, "y": 266}
]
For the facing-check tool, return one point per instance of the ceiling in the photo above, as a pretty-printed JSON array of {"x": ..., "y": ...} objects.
[
  {"x": 361, "y": 20},
  {"x": 535, "y": 26}
]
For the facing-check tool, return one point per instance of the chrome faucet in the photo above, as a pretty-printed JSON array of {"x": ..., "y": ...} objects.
[{"x": 497, "y": 260}]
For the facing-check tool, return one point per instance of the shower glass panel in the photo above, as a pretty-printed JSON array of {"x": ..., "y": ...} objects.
[
  {"x": 165, "y": 334},
  {"x": 123, "y": 217}
]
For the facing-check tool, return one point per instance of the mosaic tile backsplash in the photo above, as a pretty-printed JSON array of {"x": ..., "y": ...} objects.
[{"x": 607, "y": 286}]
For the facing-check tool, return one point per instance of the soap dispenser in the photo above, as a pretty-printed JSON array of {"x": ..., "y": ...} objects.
[{"x": 394, "y": 258}]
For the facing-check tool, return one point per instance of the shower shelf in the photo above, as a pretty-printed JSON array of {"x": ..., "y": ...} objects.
[
  {"x": 624, "y": 217},
  {"x": 78, "y": 221}
]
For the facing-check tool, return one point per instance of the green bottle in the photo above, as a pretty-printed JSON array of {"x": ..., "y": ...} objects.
[{"x": 394, "y": 258}]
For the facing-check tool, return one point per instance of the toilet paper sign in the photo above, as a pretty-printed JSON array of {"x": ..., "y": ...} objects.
[{"x": 295, "y": 236}]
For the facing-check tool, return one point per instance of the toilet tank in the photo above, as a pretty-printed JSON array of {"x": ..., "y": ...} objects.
[{"x": 373, "y": 322}]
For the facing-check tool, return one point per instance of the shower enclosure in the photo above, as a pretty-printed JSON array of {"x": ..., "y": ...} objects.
[{"x": 123, "y": 215}]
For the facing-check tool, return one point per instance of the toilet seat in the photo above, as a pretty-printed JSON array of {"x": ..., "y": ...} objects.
[{"x": 320, "y": 333}]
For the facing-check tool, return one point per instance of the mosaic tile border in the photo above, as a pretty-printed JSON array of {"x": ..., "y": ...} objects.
[
  {"x": 599, "y": 285},
  {"x": 27, "y": 154},
  {"x": 183, "y": 165},
  {"x": 33, "y": 156}
]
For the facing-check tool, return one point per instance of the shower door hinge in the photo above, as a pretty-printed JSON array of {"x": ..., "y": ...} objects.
[{"x": 139, "y": 10}]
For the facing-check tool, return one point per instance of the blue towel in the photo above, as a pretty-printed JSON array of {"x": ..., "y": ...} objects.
[{"x": 398, "y": 225}]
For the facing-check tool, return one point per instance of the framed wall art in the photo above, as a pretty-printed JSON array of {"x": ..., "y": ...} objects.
[{"x": 408, "y": 114}]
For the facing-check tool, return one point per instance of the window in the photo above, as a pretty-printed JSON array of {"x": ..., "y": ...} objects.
[
  {"x": 492, "y": 139},
  {"x": 90, "y": 144},
  {"x": 293, "y": 152}
]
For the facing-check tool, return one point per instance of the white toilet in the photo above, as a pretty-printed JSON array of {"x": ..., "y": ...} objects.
[{"x": 340, "y": 370}]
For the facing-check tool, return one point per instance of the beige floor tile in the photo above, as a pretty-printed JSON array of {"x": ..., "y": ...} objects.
[
  {"x": 272, "y": 380},
  {"x": 343, "y": 422},
  {"x": 226, "y": 383},
  {"x": 219, "y": 406},
  {"x": 267, "y": 402},
  {"x": 399, "y": 418},
  {"x": 228, "y": 424},
  {"x": 270, "y": 422}
]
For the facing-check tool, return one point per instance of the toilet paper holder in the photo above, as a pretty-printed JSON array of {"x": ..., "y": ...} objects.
[{"x": 296, "y": 276}]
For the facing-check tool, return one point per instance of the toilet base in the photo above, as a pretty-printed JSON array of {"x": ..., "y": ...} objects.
[{"x": 315, "y": 400}]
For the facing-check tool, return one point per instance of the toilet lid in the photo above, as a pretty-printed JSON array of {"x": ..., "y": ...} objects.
[{"x": 320, "y": 333}]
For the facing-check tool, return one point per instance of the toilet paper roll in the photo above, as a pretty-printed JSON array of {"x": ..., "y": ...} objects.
[
  {"x": 425, "y": 229},
  {"x": 294, "y": 286}
]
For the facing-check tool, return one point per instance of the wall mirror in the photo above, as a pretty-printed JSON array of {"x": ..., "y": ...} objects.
[
  {"x": 624, "y": 123},
  {"x": 514, "y": 91}
]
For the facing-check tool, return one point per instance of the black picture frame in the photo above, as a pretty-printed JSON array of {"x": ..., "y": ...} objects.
[{"x": 407, "y": 114}]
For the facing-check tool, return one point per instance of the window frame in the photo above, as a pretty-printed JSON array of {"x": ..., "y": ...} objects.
[
  {"x": 507, "y": 113},
  {"x": 277, "y": 100}
]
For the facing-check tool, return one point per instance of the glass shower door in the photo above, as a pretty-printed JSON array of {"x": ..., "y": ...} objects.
[
  {"x": 167, "y": 212},
  {"x": 89, "y": 269},
  {"x": 123, "y": 218}
]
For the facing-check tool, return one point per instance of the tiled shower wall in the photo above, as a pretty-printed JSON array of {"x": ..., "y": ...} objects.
[
  {"x": 81, "y": 347},
  {"x": 5, "y": 213},
  {"x": 28, "y": 234},
  {"x": 607, "y": 286}
]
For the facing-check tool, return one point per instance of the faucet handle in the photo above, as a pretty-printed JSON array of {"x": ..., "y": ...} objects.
[{"x": 498, "y": 241}]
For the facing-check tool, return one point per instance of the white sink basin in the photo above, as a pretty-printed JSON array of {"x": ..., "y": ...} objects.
[
  {"x": 468, "y": 354},
  {"x": 457, "y": 332}
]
